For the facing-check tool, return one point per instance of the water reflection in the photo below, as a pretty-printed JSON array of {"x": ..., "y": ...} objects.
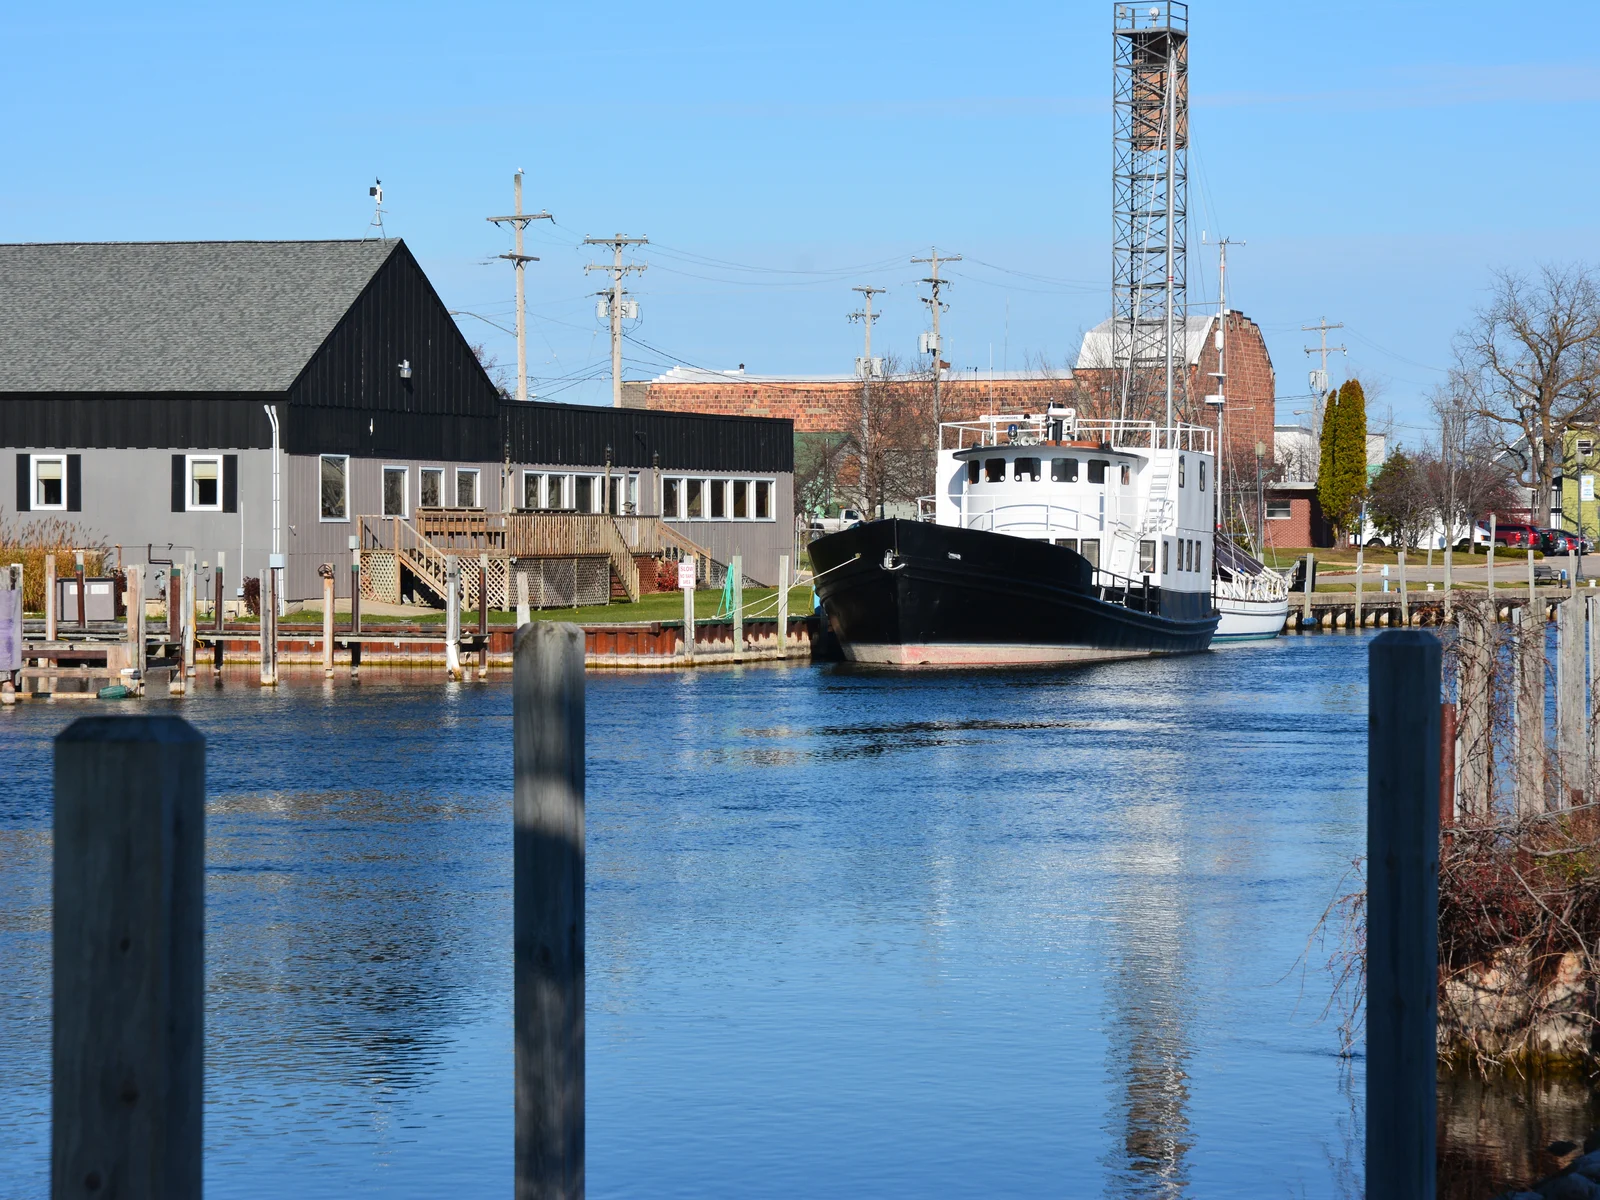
[{"x": 1494, "y": 1132}]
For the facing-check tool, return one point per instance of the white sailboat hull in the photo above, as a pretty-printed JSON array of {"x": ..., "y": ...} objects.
[{"x": 1249, "y": 620}]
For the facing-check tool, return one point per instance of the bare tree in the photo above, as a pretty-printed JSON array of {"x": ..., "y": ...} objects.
[
  {"x": 894, "y": 437},
  {"x": 1531, "y": 362},
  {"x": 498, "y": 373},
  {"x": 1469, "y": 477}
]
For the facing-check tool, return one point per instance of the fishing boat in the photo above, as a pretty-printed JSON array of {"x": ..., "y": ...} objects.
[{"x": 1054, "y": 539}]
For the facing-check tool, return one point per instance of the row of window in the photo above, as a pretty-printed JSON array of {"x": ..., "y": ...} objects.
[
  {"x": 1062, "y": 470},
  {"x": 581, "y": 493},
  {"x": 716, "y": 499},
  {"x": 1191, "y": 557}
]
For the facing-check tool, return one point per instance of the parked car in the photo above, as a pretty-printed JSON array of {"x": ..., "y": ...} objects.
[
  {"x": 1556, "y": 541},
  {"x": 1510, "y": 533},
  {"x": 844, "y": 520}
]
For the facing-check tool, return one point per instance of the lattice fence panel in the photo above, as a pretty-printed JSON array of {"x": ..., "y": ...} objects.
[
  {"x": 380, "y": 576},
  {"x": 564, "y": 582}
]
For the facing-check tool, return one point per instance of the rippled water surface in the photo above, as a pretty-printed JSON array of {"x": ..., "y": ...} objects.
[{"x": 934, "y": 934}]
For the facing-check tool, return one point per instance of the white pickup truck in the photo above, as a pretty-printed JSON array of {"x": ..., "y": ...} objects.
[{"x": 844, "y": 520}]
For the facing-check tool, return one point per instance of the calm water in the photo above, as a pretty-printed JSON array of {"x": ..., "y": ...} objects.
[{"x": 1028, "y": 934}]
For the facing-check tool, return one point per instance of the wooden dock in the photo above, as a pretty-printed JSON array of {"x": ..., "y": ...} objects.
[{"x": 1337, "y": 610}]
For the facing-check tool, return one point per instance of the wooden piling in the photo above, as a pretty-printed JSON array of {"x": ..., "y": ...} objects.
[
  {"x": 1361, "y": 553},
  {"x": 1533, "y": 597},
  {"x": 523, "y": 615},
  {"x": 736, "y": 577},
  {"x": 175, "y": 604},
  {"x": 783, "y": 606},
  {"x": 355, "y": 587},
  {"x": 78, "y": 574},
  {"x": 1488, "y": 568},
  {"x": 218, "y": 620},
  {"x": 1591, "y": 612},
  {"x": 49, "y": 597},
  {"x": 135, "y": 616},
  {"x": 326, "y": 571},
  {"x": 688, "y": 623},
  {"x": 1405, "y": 609},
  {"x": 548, "y": 909},
  {"x": 483, "y": 616},
  {"x": 1403, "y": 716},
  {"x": 269, "y": 628},
  {"x": 1529, "y": 711},
  {"x": 452, "y": 617},
  {"x": 1572, "y": 713},
  {"x": 128, "y": 959},
  {"x": 1475, "y": 662},
  {"x": 1447, "y": 764},
  {"x": 191, "y": 605}
]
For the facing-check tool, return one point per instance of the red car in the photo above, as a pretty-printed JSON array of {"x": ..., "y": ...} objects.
[{"x": 1512, "y": 533}]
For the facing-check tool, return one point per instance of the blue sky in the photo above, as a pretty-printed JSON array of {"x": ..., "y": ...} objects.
[{"x": 1378, "y": 159}]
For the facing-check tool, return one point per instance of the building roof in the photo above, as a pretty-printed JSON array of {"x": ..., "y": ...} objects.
[
  {"x": 173, "y": 316},
  {"x": 1096, "y": 350},
  {"x": 682, "y": 374}
]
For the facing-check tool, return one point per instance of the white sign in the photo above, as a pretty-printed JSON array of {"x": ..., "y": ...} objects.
[
  {"x": 1586, "y": 488},
  {"x": 686, "y": 574}
]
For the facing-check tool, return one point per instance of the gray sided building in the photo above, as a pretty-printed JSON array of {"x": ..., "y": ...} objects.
[{"x": 139, "y": 382}]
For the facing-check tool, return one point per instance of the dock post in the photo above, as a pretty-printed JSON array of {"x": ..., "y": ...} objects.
[
  {"x": 736, "y": 574},
  {"x": 326, "y": 571},
  {"x": 128, "y": 958},
  {"x": 1532, "y": 595},
  {"x": 783, "y": 606},
  {"x": 1528, "y": 711},
  {"x": 1311, "y": 572},
  {"x": 1591, "y": 605},
  {"x": 1571, "y": 712},
  {"x": 1402, "y": 913},
  {"x": 1405, "y": 608},
  {"x": 1488, "y": 567},
  {"x": 135, "y": 616},
  {"x": 269, "y": 627},
  {"x": 191, "y": 605},
  {"x": 547, "y": 909},
  {"x": 452, "y": 617},
  {"x": 175, "y": 605},
  {"x": 1447, "y": 764},
  {"x": 483, "y": 615},
  {"x": 355, "y": 585},
  {"x": 217, "y": 619},
  {"x": 49, "y": 597},
  {"x": 1448, "y": 550},
  {"x": 522, "y": 599},
  {"x": 687, "y": 581},
  {"x": 1361, "y": 555},
  {"x": 1475, "y": 638},
  {"x": 79, "y": 575}
]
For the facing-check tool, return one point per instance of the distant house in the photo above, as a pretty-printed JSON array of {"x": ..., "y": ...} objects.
[{"x": 139, "y": 383}]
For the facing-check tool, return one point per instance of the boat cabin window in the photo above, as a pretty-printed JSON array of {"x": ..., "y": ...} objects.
[
  {"x": 1202, "y": 474},
  {"x": 1063, "y": 470},
  {"x": 994, "y": 470},
  {"x": 1147, "y": 558},
  {"x": 1026, "y": 468},
  {"x": 1097, "y": 470},
  {"x": 1180, "y": 470},
  {"x": 974, "y": 470},
  {"x": 1166, "y": 556},
  {"x": 1124, "y": 474},
  {"x": 1090, "y": 549},
  {"x": 1069, "y": 543}
]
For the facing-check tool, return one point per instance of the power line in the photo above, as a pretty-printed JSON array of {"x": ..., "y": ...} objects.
[
  {"x": 618, "y": 270},
  {"x": 518, "y": 220}
]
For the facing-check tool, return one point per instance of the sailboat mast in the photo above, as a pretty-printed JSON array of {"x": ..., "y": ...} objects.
[{"x": 1172, "y": 156}]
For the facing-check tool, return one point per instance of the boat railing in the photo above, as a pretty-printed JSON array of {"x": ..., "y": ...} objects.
[
  {"x": 1032, "y": 429},
  {"x": 1140, "y": 595},
  {"x": 1269, "y": 586}
]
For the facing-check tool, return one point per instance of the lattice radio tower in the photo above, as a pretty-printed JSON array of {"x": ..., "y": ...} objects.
[{"x": 1150, "y": 185}]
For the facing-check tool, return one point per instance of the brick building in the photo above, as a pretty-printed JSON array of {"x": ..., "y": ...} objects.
[{"x": 820, "y": 404}]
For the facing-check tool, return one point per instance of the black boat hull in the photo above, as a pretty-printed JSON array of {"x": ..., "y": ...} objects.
[{"x": 911, "y": 593}]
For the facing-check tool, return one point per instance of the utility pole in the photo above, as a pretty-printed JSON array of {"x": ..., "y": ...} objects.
[
  {"x": 618, "y": 269},
  {"x": 1319, "y": 378},
  {"x": 931, "y": 343},
  {"x": 518, "y": 220},
  {"x": 866, "y": 369}
]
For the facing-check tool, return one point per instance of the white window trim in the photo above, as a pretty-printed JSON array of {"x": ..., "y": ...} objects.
[
  {"x": 344, "y": 520},
  {"x": 425, "y": 470},
  {"x": 661, "y": 499},
  {"x": 33, "y": 482},
  {"x": 1287, "y": 515},
  {"x": 522, "y": 495},
  {"x": 477, "y": 487},
  {"x": 188, "y": 483},
  {"x": 405, "y": 491},
  {"x": 772, "y": 497}
]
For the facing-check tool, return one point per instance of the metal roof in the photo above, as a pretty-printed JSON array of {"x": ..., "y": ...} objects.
[
  {"x": 173, "y": 316},
  {"x": 701, "y": 375},
  {"x": 1096, "y": 350}
]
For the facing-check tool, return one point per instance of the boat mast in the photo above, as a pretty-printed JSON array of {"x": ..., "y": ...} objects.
[{"x": 1172, "y": 155}]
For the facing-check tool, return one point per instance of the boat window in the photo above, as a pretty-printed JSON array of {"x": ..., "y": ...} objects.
[
  {"x": 994, "y": 470},
  {"x": 1026, "y": 468},
  {"x": 1097, "y": 470},
  {"x": 1200, "y": 556},
  {"x": 1069, "y": 543},
  {"x": 1063, "y": 470},
  {"x": 974, "y": 470},
  {"x": 1180, "y": 470},
  {"x": 1124, "y": 474},
  {"x": 1166, "y": 557},
  {"x": 1202, "y": 474},
  {"x": 1090, "y": 549},
  {"x": 1147, "y": 558}
]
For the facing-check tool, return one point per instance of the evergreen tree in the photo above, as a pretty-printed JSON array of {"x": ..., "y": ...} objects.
[{"x": 1342, "y": 474}]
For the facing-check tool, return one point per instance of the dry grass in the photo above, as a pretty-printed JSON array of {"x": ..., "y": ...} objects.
[{"x": 27, "y": 542}]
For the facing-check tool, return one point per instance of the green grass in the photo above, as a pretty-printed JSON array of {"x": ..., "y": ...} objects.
[{"x": 661, "y": 606}]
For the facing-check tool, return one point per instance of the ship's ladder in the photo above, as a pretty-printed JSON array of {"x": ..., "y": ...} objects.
[{"x": 1156, "y": 513}]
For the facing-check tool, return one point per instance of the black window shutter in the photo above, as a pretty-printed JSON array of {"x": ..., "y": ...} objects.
[
  {"x": 178, "y": 483},
  {"x": 24, "y": 483},
  {"x": 230, "y": 483},
  {"x": 74, "y": 483}
]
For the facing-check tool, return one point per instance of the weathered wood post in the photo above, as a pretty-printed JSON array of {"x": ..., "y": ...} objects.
[
  {"x": 135, "y": 617},
  {"x": 547, "y": 907},
  {"x": 1591, "y": 612},
  {"x": 11, "y": 626},
  {"x": 1529, "y": 711},
  {"x": 1488, "y": 569},
  {"x": 49, "y": 597},
  {"x": 1572, "y": 713},
  {"x": 128, "y": 959},
  {"x": 269, "y": 628},
  {"x": 523, "y": 615},
  {"x": 80, "y": 576},
  {"x": 1449, "y": 549},
  {"x": 1475, "y": 662},
  {"x": 783, "y": 606},
  {"x": 191, "y": 605},
  {"x": 175, "y": 605},
  {"x": 1533, "y": 597},
  {"x": 1447, "y": 764},
  {"x": 355, "y": 585},
  {"x": 1405, "y": 609},
  {"x": 326, "y": 571},
  {"x": 736, "y": 576},
  {"x": 452, "y": 617},
  {"x": 1361, "y": 553},
  {"x": 1402, "y": 912},
  {"x": 1311, "y": 572},
  {"x": 483, "y": 615},
  {"x": 217, "y": 619},
  {"x": 686, "y": 581}
]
